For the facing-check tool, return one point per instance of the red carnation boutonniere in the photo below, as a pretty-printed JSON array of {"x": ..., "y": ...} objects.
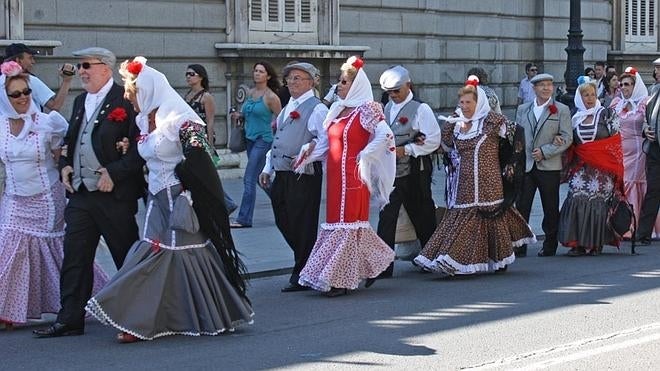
[
  {"x": 403, "y": 120},
  {"x": 294, "y": 115},
  {"x": 553, "y": 109},
  {"x": 118, "y": 115}
]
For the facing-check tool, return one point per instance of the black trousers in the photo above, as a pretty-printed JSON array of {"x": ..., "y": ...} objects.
[
  {"x": 413, "y": 191},
  {"x": 547, "y": 183},
  {"x": 651, "y": 202},
  {"x": 88, "y": 216},
  {"x": 296, "y": 201}
]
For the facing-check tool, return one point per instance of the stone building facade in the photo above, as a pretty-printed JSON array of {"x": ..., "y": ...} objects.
[{"x": 437, "y": 40}]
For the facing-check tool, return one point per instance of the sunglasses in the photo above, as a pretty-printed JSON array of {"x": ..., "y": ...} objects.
[
  {"x": 533, "y": 70},
  {"x": 191, "y": 74},
  {"x": 626, "y": 84},
  {"x": 87, "y": 65},
  {"x": 17, "y": 94}
]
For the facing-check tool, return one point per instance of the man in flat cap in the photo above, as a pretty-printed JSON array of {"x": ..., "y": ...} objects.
[
  {"x": 416, "y": 135},
  {"x": 300, "y": 144},
  {"x": 42, "y": 95},
  {"x": 651, "y": 202},
  {"x": 543, "y": 119},
  {"x": 103, "y": 182}
]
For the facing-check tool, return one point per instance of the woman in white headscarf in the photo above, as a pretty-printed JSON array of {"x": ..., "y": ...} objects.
[
  {"x": 630, "y": 107},
  {"x": 183, "y": 276},
  {"x": 595, "y": 172},
  {"x": 360, "y": 163},
  {"x": 480, "y": 229},
  {"x": 32, "y": 213}
]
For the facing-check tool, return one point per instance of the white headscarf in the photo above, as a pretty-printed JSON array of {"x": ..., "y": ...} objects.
[
  {"x": 154, "y": 91},
  {"x": 640, "y": 93},
  {"x": 359, "y": 93},
  {"x": 582, "y": 111},
  {"x": 480, "y": 112},
  {"x": 28, "y": 117}
]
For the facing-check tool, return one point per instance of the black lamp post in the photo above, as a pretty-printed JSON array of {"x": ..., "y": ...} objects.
[{"x": 575, "y": 51}]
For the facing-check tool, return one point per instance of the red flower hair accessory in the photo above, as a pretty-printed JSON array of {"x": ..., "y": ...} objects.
[
  {"x": 553, "y": 109},
  {"x": 294, "y": 115},
  {"x": 403, "y": 120},
  {"x": 631, "y": 70},
  {"x": 118, "y": 115},
  {"x": 472, "y": 80},
  {"x": 135, "y": 66},
  {"x": 356, "y": 62}
]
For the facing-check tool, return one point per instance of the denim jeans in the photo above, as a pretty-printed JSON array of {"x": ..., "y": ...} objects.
[{"x": 256, "y": 152}]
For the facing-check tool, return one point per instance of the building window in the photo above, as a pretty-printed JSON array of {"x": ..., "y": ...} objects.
[
  {"x": 287, "y": 20},
  {"x": 640, "y": 21}
]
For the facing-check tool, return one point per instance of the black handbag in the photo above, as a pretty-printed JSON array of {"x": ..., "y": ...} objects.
[
  {"x": 237, "y": 138},
  {"x": 621, "y": 219}
]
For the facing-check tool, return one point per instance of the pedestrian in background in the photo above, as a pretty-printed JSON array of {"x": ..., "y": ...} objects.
[
  {"x": 630, "y": 107},
  {"x": 543, "y": 119},
  {"x": 611, "y": 90},
  {"x": 360, "y": 164},
  {"x": 482, "y": 75},
  {"x": 595, "y": 167},
  {"x": 526, "y": 88},
  {"x": 257, "y": 113},
  {"x": 201, "y": 101},
  {"x": 466, "y": 241},
  {"x": 299, "y": 148}
]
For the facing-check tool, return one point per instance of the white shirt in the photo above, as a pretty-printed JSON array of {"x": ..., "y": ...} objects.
[
  {"x": 424, "y": 122},
  {"x": 30, "y": 166},
  {"x": 538, "y": 110},
  {"x": 162, "y": 155},
  {"x": 41, "y": 93},
  {"x": 92, "y": 100},
  {"x": 314, "y": 126}
]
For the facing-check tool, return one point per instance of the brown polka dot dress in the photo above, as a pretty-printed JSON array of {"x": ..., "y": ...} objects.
[{"x": 465, "y": 242}]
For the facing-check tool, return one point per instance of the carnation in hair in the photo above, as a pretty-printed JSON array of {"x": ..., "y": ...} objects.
[
  {"x": 11, "y": 69},
  {"x": 631, "y": 70},
  {"x": 472, "y": 80},
  {"x": 356, "y": 62}
]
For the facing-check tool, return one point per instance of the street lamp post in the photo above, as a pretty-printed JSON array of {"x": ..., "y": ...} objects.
[{"x": 575, "y": 52}]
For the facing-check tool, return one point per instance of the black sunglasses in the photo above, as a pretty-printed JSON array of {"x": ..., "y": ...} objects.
[
  {"x": 626, "y": 84},
  {"x": 87, "y": 65},
  {"x": 17, "y": 94},
  {"x": 191, "y": 74}
]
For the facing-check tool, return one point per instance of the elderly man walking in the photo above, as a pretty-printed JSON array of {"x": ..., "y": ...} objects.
[
  {"x": 543, "y": 119},
  {"x": 416, "y": 135},
  {"x": 299, "y": 146}
]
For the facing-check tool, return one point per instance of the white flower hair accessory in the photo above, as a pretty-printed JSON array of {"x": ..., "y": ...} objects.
[{"x": 11, "y": 69}]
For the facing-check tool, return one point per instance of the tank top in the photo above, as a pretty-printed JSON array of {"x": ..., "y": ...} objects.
[{"x": 257, "y": 119}]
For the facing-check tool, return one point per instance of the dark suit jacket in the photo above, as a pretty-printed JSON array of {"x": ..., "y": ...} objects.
[
  {"x": 653, "y": 120},
  {"x": 124, "y": 169}
]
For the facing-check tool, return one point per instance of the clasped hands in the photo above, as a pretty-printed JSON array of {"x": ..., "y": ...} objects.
[{"x": 104, "y": 184}]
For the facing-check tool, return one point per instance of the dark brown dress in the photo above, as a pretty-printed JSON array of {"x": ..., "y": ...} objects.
[{"x": 466, "y": 241}]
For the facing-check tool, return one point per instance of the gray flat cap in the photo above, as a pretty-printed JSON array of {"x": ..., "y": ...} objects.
[
  {"x": 104, "y": 55},
  {"x": 302, "y": 66},
  {"x": 542, "y": 77},
  {"x": 394, "y": 78},
  {"x": 656, "y": 62}
]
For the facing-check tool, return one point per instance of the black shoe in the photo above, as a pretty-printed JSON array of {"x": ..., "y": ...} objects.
[
  {"x": 335, "y": 292},
  {"x": 577, "y": 251},
  {"x": 293, "y": 287},
  {"x": 58, "y": 329},
  {"x": 369, "y": 282},
  {"x": 543, "y": 253},
  {"x": 645, "y": 241},
  {"x": 520, "y": 251}
]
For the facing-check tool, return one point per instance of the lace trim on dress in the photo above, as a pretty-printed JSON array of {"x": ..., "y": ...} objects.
[
  {"x": 341, "y": 225},
  {"x": 95, "y": 309},
  {"x": 182, "y": 247}
]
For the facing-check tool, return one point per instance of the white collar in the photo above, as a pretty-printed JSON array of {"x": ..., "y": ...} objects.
[
  {"x": 543, "y": 105},
  {"x": 103, "y": 91},
  {"x": 301, "y": 99}
]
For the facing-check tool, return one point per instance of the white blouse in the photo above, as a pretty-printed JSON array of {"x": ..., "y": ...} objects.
[
  {"x": 162, "y": 155},
  {"x": 28, "y": 157}
]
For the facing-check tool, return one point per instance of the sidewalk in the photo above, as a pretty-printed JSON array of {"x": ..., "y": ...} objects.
[{"x": 263, "y": 249}]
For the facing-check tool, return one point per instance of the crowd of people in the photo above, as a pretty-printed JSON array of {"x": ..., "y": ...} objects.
[{"x": 183, "y": 274}]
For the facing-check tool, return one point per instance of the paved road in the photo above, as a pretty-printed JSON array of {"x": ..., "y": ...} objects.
[{"x": 555, "y": 313}]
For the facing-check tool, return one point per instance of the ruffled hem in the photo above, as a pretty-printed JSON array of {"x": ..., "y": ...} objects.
[
  {"x": 343, "y": 257},
  {"x": 445, "y": 264},
  {"x": 96, "y": 310}
]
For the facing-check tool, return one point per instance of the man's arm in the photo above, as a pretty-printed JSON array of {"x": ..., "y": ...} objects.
[
  {"x": 427, "y": 125},
  {"x": 55, "y": 103}
]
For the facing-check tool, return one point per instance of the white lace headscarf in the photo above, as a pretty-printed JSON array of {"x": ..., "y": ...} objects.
[
  {"x": 582, "y": 111},
  {"x": 359, "y": 93},
  {"x": 6, "y": 109},
  {"x": 154, "y": 91},
  {"x": 639, "y": 94},
  {"x": 480, "y": 112}
]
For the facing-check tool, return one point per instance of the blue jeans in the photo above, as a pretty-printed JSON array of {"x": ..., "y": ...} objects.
[{"x": 256, "y": 152}]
